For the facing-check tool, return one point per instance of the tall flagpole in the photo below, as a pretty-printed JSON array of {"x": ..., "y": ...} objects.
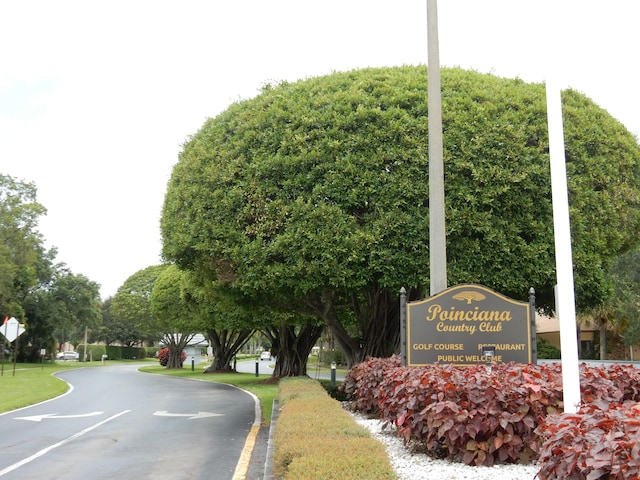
[
  {"x": 565, "y": 289},
  {"x": 437, "y": 235},
  {"x": 565, "y": 301}
]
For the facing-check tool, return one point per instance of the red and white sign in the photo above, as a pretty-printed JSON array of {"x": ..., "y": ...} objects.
[{"x": 11, "y": 329}]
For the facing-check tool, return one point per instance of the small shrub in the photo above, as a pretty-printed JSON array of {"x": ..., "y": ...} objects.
[
  {"x": 151, "y": 352},
  {"x": 602, "y": 440},
  {"x": 334, "y": 391},
  {"x": 480, "y": 418},
  {"x": 163, "y": 356},
  {"x": 331, "y": 356},
  {"x": 362, "y": 380},
  {"x": 546, "y": 350},
  {"x": 614, "y": 383}
]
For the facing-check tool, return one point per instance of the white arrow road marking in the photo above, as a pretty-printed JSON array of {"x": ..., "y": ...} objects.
[
  {"x": 39, "y": 418},
  {"x": 46, "y": 450},
  {"x": 191, "y": 416}
]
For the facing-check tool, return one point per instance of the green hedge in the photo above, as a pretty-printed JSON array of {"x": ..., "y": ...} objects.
[
  {"x": 317, "y": 439},
  {"x": 151, "y": 351},
  {"x": 113, "y": 352},
  {"x": 126, "y": 353},
  {"x": 94, "y": 352}
]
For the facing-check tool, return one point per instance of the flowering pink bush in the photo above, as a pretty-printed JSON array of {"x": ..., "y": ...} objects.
[{"x": 163, "y": 356}]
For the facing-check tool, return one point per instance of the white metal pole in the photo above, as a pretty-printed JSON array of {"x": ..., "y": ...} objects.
[
  {"x": 437, "y": 235},
  {"x": 565, "y": 301}
]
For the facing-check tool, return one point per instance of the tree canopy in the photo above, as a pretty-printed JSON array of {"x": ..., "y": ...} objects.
[
  {"x": 76, "y": 305},
  {"x": 45, "y": 295},
  {"x": 21, "y": 249},
  {"x": 315, "y": 194},
  {"x": 132, "y": 303},
  {"x": 625, "y": 304},
  {"x": 172, "y": 314}
]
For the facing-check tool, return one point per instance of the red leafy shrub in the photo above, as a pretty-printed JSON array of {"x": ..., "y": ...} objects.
[
  {"x": 601, "y": 441},
  {"x": 613, "y": 383},
  {"x": 361, "y": 382},
  {"x": 476, "y": 416},
  {"x": 479, "y": 417},
  {"x": 163, "y": 356}
]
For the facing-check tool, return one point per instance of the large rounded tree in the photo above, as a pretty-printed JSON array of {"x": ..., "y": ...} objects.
[{"x": 315, "y": 194}]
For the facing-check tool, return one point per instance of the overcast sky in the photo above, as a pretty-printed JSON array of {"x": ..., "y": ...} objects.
[{"x": 96, "y": 98}]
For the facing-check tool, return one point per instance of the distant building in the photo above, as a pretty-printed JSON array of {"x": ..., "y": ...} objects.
[
  {"x": 194, "y": 348},
  {"x": 549, "y": 329}
]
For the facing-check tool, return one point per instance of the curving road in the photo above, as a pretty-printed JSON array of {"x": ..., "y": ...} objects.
[{"x": 116, "y": 422}]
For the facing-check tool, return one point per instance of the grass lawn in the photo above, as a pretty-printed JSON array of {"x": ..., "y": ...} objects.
[
  {"x": 32, "y": 383},
  {"x": 266, "y": 392}
]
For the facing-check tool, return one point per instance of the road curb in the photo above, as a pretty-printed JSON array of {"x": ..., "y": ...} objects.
[{"x": 268, "y": 463}]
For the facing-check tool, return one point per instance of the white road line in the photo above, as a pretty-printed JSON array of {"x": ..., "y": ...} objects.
[
  {"x": 191, "y": 416},
  {"x": 44, "y": 451}
]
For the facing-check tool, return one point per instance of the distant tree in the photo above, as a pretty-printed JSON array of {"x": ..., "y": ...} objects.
[
  {"x": 43, "y": 294},
  {"x": 77, "y": 306},
  {"x": 172, "y": 315},
  {"x": 625, "y": 302},
  {"x": 227, "y": 322},
  {"x": 39, "y": 309},
  {"x": 21, "y": 245},
  {"x": 602, "y": 316},
  {"x": 619, "y": 315},
  {"x": 132, "y": 303},
  {"x": 315, "y": 194},
  {"x": 40, "y": 312},
  {"x": 117, "y": 329}
]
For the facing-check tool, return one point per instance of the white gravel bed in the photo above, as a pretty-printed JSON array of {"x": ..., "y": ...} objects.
[{"x": 410, "y": 466}]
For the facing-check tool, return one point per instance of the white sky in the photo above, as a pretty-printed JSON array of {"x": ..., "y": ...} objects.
[{"x": 96, "y": 98}]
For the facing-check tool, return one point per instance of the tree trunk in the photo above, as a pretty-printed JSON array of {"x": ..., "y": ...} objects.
[
  {"x": 378, "y": 325},
  {"x": 176, "y": 343},
  {"x": 292, "y": 346},
  {"x": 225, "y": 345},
  {"x": 603, "y": 338},
  {"x": 175, "y": 358},
  {"x": 352, "y": 349}
]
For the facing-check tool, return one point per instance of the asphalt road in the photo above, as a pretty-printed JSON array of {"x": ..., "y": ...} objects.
[
  {"x": 116, "y": 422},
  {"x": 266, "y": 368}
]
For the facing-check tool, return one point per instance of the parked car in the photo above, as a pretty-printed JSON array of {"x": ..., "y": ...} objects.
[
  {"x": 68, "y": 356},
  {"x": 265, "y": 355}
]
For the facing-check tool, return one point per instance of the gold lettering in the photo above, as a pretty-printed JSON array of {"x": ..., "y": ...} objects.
[
  {"x": 464, "y": 328},
  {"x": 490, "y": 327},
  {"x": 436, "y": 312},
  {"x": 483, "y": 358},
  {"x": 448, "y": 346},
  {"x": 450, "y": 358},
  {"x": 506, "y": 346}
]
